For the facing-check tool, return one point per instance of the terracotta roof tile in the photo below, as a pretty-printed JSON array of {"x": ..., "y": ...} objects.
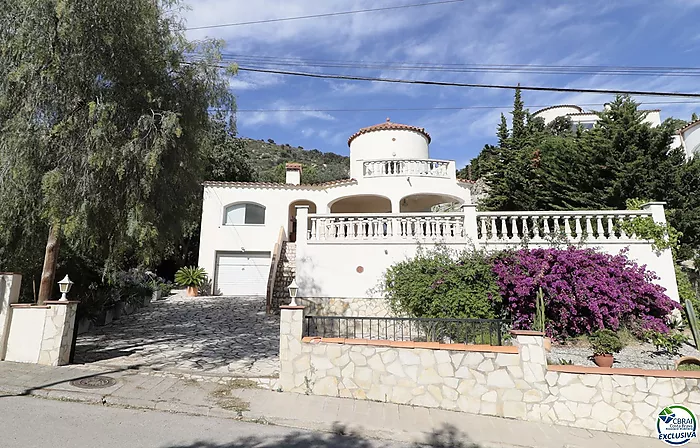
[
  {"x": 466, "y": 181},
  {"x": 388, "y": 126},
  {"x": 557, "y": 106},
  {"x": 688, "y": 126},
  {"x": 334, "y": 183},
  {"x": 291, "y": 166}
]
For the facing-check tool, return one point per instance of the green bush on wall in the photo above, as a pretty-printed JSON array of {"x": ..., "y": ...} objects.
[{"x": 443, "y": 283}]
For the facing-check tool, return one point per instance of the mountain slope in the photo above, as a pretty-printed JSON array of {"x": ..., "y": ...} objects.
[{"x": 266, "y": 156}]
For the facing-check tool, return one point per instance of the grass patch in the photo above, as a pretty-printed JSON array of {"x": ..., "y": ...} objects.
[
  {"x": 234, "y": 404},
  {"x": 242, "y": 383},
  {"x": 689, "y": 367}
]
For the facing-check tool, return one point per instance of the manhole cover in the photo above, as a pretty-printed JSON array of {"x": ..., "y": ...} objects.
[{"x": 94, "y": 382}]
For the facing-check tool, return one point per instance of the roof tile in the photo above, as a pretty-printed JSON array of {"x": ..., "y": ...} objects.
[
  {"x": 388, "y": 126},
  {"x": 334, "y": 183}
]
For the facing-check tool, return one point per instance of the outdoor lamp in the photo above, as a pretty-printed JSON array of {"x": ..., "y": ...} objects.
[
  {"x": 64, "y": 286},
  {"x": 293, "y": 288}
]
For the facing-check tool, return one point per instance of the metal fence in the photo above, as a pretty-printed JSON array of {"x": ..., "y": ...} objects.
[{"x": 446, "y": 331}]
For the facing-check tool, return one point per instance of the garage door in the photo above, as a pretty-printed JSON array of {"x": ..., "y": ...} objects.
[{"x": 242, "y": 274}]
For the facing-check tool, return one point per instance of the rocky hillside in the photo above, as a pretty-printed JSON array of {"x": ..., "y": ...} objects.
[{"x": 267, "y": 158}]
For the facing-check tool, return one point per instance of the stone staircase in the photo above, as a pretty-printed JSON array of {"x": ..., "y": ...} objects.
[{"x": 286, "y": 270}]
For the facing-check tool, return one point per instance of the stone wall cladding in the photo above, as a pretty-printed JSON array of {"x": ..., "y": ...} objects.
[
  {"x": 357, "y": 307},
  {"x": 477, "y": 382},
  {"x": 497, "y": 382}
]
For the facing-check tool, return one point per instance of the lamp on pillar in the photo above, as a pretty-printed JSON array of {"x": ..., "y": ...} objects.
[
  {"x": 64, "y": 286},
  {"x": 293, "y": 289}
]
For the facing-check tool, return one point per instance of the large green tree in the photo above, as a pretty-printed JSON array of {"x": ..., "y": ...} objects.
[
  {"x": 101, "y": 122},
  {"x": 560, "y": 167}
]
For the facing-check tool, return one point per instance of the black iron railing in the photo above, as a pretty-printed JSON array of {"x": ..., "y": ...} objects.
[{"x": 446, "y": 331}]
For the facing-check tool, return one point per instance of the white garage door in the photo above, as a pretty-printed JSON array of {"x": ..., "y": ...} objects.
[{"x": 242, "y": 274}]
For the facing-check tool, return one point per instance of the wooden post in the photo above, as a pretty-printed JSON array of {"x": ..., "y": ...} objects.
[{"x": 50, "y": 260}]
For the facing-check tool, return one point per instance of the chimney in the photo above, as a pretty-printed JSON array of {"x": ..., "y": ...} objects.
[{"x": 293, "y": 173}]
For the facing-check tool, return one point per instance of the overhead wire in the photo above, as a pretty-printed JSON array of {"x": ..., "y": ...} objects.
[
  {"x": 276, "y": 62},
  {"x": 328, "y": 14},
  {"x": 409, "y": 109}
]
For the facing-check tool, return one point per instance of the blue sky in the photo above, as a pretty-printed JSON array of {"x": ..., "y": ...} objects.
[{"x": 591, "y": 32}]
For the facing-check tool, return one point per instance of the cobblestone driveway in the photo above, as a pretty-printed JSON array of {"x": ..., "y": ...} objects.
[{"x": 227, "y": 336}]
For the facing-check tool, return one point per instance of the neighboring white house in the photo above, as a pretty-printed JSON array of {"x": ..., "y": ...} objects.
[
  {"x": 390, "y": 172},
  {"x": 688, "y": 137}
]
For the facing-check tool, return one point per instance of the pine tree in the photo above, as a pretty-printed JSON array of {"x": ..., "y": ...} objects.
[
  {"x": 518, "y": 116},
  {"x": 694, "y": 117},
  {"x": 503, "y": 132}
]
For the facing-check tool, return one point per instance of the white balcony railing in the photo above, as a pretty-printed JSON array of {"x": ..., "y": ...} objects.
[
  {"x": 593, "y": 226},
  {"x": 409, "y": 227},
  {"x": 482, "y": 228},
  {"x": 388, "y": 168}
]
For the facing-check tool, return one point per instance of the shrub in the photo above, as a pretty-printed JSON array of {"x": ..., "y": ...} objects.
[
  {"x": 584, "y": 291},
  {"x": 443, "y": 283},
  {"x": 190, "y": 276},
  {"x": 605, "y": 342},
  {"x": 670, "y": 343}
]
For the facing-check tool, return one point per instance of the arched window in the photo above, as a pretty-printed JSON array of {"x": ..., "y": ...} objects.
[{"x": 244, "y": 213}]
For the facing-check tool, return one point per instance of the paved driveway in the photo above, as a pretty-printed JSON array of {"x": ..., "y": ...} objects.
[{"x": 229, "y": 336}]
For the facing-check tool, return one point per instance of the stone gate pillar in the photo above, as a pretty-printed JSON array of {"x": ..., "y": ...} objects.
[
  {"x": 9, "y": 294},
  {"x": 291, "y": 332}
]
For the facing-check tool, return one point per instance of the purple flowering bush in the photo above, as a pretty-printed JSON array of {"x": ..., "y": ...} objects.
[{"x": 584, "y": 291}]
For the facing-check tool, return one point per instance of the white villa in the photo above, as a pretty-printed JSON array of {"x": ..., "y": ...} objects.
[
  {"x": 688, "y": 137},
  {"x": 340, "y": 237}
]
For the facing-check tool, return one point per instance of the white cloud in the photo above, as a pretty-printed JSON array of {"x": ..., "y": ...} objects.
[{"x": 279, "y": 114}]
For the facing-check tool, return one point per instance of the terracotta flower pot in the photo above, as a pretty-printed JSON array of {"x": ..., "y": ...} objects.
[
  {"x": 686, "y": 360},
  {"x": 548, "y": 344},
  {"x": 192, "y": 291},
  {"x": 606, "y": 360}
]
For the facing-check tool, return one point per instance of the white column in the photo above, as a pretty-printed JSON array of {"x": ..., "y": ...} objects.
[
  {"x": 302, "y": 224},
  {"x": 9, "y": 294},
  {"x": 470, "y": 224},
  {"x": 665, "y": 268}
]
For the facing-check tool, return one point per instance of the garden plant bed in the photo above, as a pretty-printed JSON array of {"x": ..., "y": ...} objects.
[{"x": 635, "y": 355}]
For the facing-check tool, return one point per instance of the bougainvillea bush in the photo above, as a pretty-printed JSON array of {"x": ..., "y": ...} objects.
[{"x": 584, "y": 291}]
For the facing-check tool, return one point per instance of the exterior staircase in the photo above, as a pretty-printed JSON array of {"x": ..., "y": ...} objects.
[{"x": 286, "y": 270}]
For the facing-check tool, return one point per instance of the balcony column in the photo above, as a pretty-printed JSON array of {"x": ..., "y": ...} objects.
[
  {"x": 470, "y": 224},
  {"x": 665, "y": 268},
  {"x": 395, "y": 225}
]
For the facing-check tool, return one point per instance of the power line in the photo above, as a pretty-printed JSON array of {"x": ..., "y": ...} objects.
[
  {"x": 330, "y": 14},
  {"x": 394, "y": 109},
  {"x": 275, "y": 62},
  {"x": 472, "y": 85}
]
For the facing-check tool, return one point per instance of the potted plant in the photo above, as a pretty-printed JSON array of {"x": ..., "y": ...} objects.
[
  {"x": 540, "y": 322},
  {"x": 605, "y": 343},
  {"x": 192, "y": 278}
]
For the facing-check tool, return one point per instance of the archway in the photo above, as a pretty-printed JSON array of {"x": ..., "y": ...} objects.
[
  {"x": 361, "y": 204},
  {"x": 292, "y": 220},
  {"x": 428, "y": 202}
]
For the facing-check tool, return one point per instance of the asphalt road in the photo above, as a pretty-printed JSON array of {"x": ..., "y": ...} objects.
[{"x": 38, "y": 423}]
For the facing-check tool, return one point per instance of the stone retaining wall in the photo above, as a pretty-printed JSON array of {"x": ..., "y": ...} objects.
[
  {"x": 513, "y": 382},
  {"x": 358, "y": 307}
]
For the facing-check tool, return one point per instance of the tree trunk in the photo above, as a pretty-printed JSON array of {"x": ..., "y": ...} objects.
[{"x": 50, "y": 260}]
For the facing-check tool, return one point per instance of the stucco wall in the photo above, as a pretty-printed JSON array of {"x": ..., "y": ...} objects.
[
  {"x": 387, "y": 144},
  {"x": 277, "y": 199},
  {"x": 512, "y": 382},
  {"x": 691, "y": 141}
]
